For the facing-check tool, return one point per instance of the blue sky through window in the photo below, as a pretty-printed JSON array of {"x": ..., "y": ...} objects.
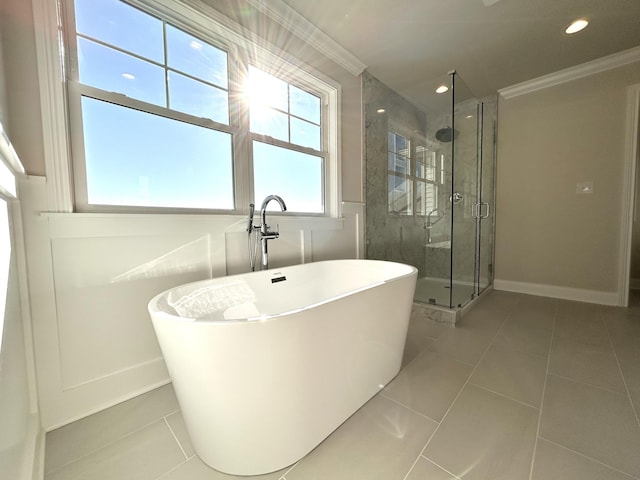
[{"x": 138, "y": 158}]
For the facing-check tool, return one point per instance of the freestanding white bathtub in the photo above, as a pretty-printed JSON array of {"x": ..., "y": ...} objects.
[{"x": 266, "y": 365}]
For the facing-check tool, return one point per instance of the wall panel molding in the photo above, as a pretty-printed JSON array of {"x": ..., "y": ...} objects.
[{"x": 92, "y": 275}]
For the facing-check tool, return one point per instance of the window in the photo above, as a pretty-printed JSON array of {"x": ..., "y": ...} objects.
[
  {"x": 165, "y": 114},
  {"x": 414, "y": 174},
  {"x": 285, "y": 123},
  {"x": 399, "y": 178}
]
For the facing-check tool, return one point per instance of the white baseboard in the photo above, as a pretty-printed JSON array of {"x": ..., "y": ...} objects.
[
  {"x": 554, "y": 291},
  {"x": 634, "y": 284}
]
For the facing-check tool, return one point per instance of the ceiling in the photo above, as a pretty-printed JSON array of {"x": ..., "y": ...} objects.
[{"x": 492, "y": 44}]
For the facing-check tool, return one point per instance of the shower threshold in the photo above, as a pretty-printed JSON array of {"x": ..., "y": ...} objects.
[{"x": 429, "y": 292}]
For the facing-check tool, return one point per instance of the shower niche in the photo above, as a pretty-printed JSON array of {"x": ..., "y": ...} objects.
[{"x": 430, "y": 188}]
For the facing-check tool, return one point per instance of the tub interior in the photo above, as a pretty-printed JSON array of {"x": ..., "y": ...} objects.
[{"x": 272, "y": 293}]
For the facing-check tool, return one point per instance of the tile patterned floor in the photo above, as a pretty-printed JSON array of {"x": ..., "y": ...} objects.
[{"x": 525, "y": 388}]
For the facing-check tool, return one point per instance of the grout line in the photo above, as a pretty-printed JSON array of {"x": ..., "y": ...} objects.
[
  {"x": 175, "y": 437},
  {"x": 172, "y": 469},
  {"x": 412, "y": 466},
  {"x": 506, "y": 317},
  {"x": 102, "y": 447},
  {"x": 624, "y": 380},
  {"x": 544, "y": 389},
  {"x": 524, "y": 404},
  {"x": 381, "y": 393},
  {"x": 559, "y": 445},
  {"x": 586, "y": 384}
]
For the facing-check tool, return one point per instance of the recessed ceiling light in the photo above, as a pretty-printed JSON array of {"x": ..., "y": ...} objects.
[
  {"x": 576, "y": 26},
  {"x": 442, "y": 89},
  {"x": 381, "y": 110}
]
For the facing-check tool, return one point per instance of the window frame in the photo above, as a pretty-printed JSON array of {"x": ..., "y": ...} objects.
[
  {"x": 202, "y": 21},
  {"x": 415, "y": 142}
]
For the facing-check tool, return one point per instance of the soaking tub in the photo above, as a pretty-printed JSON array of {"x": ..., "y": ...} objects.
[{"x": 267, "y": 364}]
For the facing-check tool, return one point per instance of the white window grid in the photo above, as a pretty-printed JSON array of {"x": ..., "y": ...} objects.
[{"x": 242, "y": 52}]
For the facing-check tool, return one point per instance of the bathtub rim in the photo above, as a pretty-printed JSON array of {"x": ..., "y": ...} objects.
[{"x": 156, "y": 312}]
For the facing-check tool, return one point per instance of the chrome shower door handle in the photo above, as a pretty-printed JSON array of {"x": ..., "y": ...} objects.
[
  {"x": 480, "y": 208},
  {"x": 475, "y": 210}
]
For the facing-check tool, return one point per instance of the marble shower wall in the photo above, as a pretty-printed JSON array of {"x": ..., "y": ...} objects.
[
  {"x": 393, "y": 237},
  {"x": 403, "y": 238}
]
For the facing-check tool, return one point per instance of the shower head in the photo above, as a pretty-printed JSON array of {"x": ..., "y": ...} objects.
[{"x": 446, "y": 134}]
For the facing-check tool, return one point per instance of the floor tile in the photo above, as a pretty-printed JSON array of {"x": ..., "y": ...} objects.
[
  {"x": 627, "y": 350},
  {"x": 594, "y": 422},
  {"x": 587, "y": 362},
  {"x": 425, "y": 470},
  {"x": 581, "y": 323},
  {"x": 622, "y": 324},
  {"x": 143, "y": 455},
  {"x": 429, "y": 384},
  {"x": 515, "y": 374},
  {"x": 413, "y": 347},
  {"x": 380, "y": 441},
  {"x": 483, "y": 319},
  {"x": 179, "y": 430},
  {"x": 553, "y": 462},
  {"x": 488, "y": 433},
  {"x": 423, "y": 327},
  {"x": 485, "y": 437},
  {"x": 195, "y": 469},
  {"x": 579, "y": 310},
  {"x": 73, "y": 441},
  {"x": 536, "y": 311},
  {"x": 524, "y": 337},
  {"x": 463, "y": 344}
]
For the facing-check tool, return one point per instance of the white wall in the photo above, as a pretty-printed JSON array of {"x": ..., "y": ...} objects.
[
  {"x": 19, "y": 421},
  {"x": 551, "y": 240},
  {"x": 21, "y": 439}
]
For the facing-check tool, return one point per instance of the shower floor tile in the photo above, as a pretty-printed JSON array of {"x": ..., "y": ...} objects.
[{"x": 500, "y": 396}]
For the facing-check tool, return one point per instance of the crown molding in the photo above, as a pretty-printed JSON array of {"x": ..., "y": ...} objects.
[
  {"x": 572, "y": 73},
  {"x": 294, "y": 22}
]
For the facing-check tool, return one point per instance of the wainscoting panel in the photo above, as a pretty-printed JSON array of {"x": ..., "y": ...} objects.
[{"x": 92, "y": 275}]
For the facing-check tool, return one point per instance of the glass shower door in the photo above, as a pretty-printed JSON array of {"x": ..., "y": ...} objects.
[
  {"x": 485, "y": 210},
  {"x": 465, "y": 193}
]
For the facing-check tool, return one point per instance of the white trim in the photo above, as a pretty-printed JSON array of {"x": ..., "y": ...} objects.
[
  {"x": 572, "y": 73},
  {"x": 53, "y": 105},
  {"x": 294, "y": 22},
  {"x": 555, "y": 291},
  {"x": 8, "y": 153},
  {"x": 628, "y": 192},
  {"x": 39, "y": 456},
  {"x": 33, "y": 460}
]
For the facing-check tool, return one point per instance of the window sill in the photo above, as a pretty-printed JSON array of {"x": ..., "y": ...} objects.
[{"x": 82, "y": 225}]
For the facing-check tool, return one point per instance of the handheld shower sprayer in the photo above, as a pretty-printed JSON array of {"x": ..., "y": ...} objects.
[{"x": 252, "y": 209}]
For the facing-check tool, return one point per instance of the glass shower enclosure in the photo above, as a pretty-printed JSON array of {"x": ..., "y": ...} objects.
[{"x": 430, "y": 165}]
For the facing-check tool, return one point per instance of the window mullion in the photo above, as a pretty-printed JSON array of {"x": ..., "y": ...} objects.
[
  {"x": 123, "y": 100},
  {"x": 238, "y": 68},
  {"x": 165, "y": 66}
]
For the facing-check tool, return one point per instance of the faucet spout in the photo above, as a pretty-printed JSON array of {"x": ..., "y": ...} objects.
[
  {"x": 264, "y": 229},
  {"x": 265, "y": 233}
]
